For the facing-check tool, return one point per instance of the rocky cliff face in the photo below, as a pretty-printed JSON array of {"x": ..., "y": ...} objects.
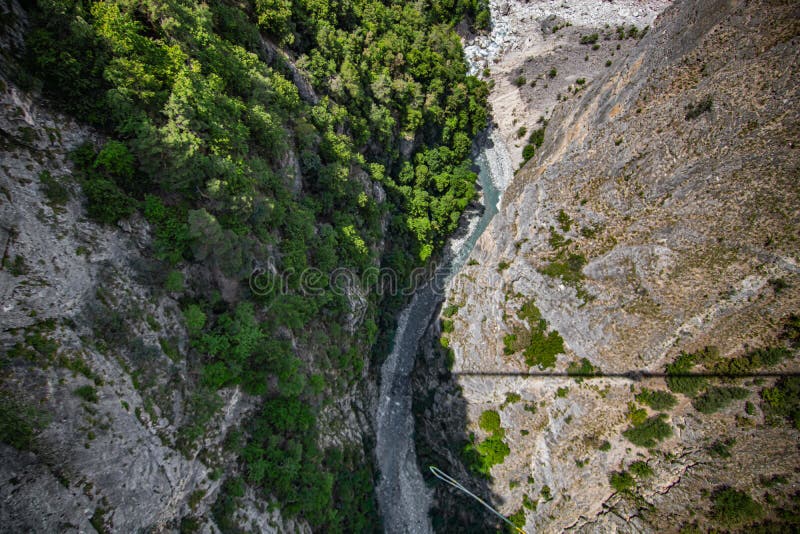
[
  {"x": 659, "y": 217},
  {"x": 103, "y": 428}
]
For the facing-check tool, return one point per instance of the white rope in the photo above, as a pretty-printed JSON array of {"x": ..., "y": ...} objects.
[{"x": 441, "y": 475}]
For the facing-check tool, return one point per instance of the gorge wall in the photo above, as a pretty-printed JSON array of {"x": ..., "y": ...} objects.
[{"x": 657, "y": 221}]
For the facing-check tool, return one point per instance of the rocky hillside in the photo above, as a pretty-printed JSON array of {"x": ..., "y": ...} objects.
[{"x": 654, "y": 232}]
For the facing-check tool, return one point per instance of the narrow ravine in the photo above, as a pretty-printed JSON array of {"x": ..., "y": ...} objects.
[{"x": 403, "y": 498}]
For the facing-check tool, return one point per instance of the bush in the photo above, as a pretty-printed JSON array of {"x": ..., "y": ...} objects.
[
  {"x": 57, "y": 194},
  {"x": 521, "y": 132},
  {"x": 782, "y": 402},
  {"x": 605, "y": 446},
  {"x": 553, "y": 73},
  {"x": 106, "y": 203},
  {"x": 87, "y": 393},
  {"x": 677, "y": 379},
  {"x": 649, "y": 433},
  {"x": 174, "y": 282},
  {"x": 695, "y": 110},
  {"x": 582, "y": 368},
  {"x": 640, "y": 469},
  {"x": 717, "y": 398},
  {"x": 657, "y": 400},
  {"x": 735, "y": 508},
  {"x": 589, "y": 39},
  {"x": 528, "y": 152},
  {"x": 520, "y": 81},
  {"x": 489, "y": 421},
  {"x": 19, "y": 424},
  {"x": 195, "y": 319},
  {"x": 622, "y": 481}
]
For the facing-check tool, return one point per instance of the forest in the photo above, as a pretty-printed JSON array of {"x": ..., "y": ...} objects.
[{"x": 309, "y": 133}]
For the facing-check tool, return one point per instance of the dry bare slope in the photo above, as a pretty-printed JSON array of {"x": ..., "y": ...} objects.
[{"x": 661, "y": 216}]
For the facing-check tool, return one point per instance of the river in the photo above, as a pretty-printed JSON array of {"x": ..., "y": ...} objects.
[{"x": 403, "y": 497}]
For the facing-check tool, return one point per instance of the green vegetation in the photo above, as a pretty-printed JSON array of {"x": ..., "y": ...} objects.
[
  {"x": 722, "y": 448},
  {"x": 539, "y": 346},
  {"x": 519, "y": 81},
  {"x": 677, "y": 380},
  {"x": 535, "y": 140},
  {"x": 517, "y": 519},
  {"x": 582, "y": 368},
  {"x": 564, "y": 221},
  {"x": 19, "y": 423},
  {"x": 605, "y": 446},
  {"x": 87, "y": 393},
  {"x": 657, "y": 400},
  {"x": 569, "y": 270},
  {"x": 589, "y": 39},
  {"x": 489, "y": 421},
  {"x": 782, "y": 402},
  {"x": 622, "y": 481},
  {"x": 204, "y": 124},
  {"x": 552, "y": 73},
  {"x": 562, "y": 392},
  {"x": 57, "y": 194},
  {"x": 694, "y": 110},
  {"x": 481, "y": 457},
  {"x": 650, "y": 432},
  {"x": 717, "y": 398},
  {"x": 733, "y": 508},
  {"x": 640, "y": 469}
]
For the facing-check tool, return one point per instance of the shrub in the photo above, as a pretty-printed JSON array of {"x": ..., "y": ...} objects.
[
  {"x": 174, "y": 282},
  {"x": 782, "y": 402},
  {"x": 717, "y": 398},
  {"x": 562, "y": 392},
  {"x": 580, "y": 81},
  {"x": 677, "y": 379},
  {"x": 640, "y": 469},
  {"x": 57, "y": 194},
  {"x": 622, "y": 481},
  {"x": 734, "y": 508},
  {"x": 87, "y": 393},
  {"x": 489, "y": 421},
  {"x": 590, "y": 39},
  {"x": 106, "y": 202},
  {"x": 528, "y": 152},
  {"x": 582, "y": 368},
  {"x": 451, "y": 310},
  {"x": 695, "y": 110},
  {"x": 657, "y": 400},
  {"x": 605, "y": 446},
  {"x": 564, "y": 221},
  {"x": 195, "y": 319},
  {"x": 722, "y": 448},
  {"x": 553, "y": 73},
  {"x": 520, "y": 81},
  {"x": 650, "y": 432},
  {"x": 502, "y": 266},
  {"x": 19, "y": 424},
  {"x": 521, "y": 132},
  {"x": 537, "y": 137},
  {"x": 608, "y": 63}
]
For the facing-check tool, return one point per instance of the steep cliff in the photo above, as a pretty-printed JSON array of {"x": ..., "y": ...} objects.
[{"x": 655, "y": 229}]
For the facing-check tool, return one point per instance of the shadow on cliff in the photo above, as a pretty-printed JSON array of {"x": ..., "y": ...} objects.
[{"x": 440, "y": 423}]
